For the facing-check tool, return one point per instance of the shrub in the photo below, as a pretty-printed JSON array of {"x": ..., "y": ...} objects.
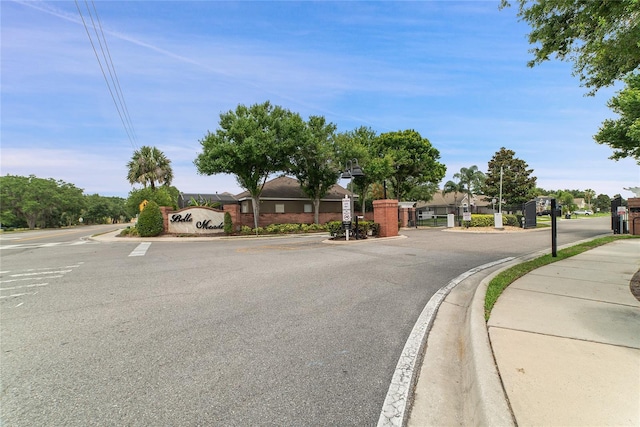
[
  {"x": 129, "y": 231},
  {"x": 511, "y": 220},
  {"x": 478, "y": 220},
  {"x": 150, "y": 221},
  {"x": 334, "y": 227},
  {"x": 367, "y": 226},
  {"x": 228, "y": 224},
  {"x": 482, "y": 221}
]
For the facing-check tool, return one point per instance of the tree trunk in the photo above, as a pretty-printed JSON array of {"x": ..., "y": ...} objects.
[
  {"x": 255, "y": 201},
  {"x": 316, "y": 210},
  {"x": 31, "y": 221}
]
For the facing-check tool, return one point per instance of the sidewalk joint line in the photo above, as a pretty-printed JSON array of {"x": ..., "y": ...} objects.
[
  {"x": 563, "y": 337},
  {"x": 576, "y": 297}
]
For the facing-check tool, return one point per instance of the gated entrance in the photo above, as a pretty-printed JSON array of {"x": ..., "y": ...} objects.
[
  {"x": 618, "y": 223},
  {"x": 530, "y": 214}
]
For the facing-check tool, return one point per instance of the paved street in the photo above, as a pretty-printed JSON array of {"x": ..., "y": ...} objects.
[{"x": 286, "y": 331}]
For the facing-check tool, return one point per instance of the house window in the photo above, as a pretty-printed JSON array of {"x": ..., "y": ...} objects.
[
  {"x": 308, "y": 208},
  {"x": 244, "y": 208},
  {"x": 279, "y": 207}
]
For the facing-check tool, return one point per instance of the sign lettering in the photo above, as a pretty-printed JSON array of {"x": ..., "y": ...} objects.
[
  {"x": 206, "y": 225},
  {"x": 180, "y": 218},
  {"x": 196, "y": 220}
]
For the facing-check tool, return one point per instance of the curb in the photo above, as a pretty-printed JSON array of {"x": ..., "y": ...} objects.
[
  {"x": 397, "y": 404},
  {"x": 487, "y": 402}
]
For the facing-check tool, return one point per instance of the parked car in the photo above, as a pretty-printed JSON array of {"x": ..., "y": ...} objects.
[{"x": 583, "y": 212}]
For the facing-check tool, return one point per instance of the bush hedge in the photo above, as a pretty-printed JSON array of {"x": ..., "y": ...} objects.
[
  {"x": 283, "y": 229},
  {"x": 478, "y": 220},
  {"x": 150, "y": 222},
  {"x": 335, "y": 228}
]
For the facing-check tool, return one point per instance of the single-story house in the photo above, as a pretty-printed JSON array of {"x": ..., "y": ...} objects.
[
  {"x": 443, "y": 204},
  {"x": 283, "y": 201},
  {"x": 284, "y": 195}
]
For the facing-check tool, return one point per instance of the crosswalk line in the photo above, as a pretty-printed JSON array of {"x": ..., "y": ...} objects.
[{"x": 141, "y": 249}]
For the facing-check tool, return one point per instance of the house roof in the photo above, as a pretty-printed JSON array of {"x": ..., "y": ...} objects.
[
  {"x": 222, "y": 197},
  {"x": 449, "y": 199},
  {"x": 287, "y": 188}
]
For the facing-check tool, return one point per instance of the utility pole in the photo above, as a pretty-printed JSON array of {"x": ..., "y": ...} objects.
[{"x": 500, "y": 200}]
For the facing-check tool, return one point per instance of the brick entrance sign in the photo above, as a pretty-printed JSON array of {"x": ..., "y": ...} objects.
[{"x": 385, "y": 213}]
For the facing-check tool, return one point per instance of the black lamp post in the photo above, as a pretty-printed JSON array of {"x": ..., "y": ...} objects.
[{"x": 352, "y": 170}]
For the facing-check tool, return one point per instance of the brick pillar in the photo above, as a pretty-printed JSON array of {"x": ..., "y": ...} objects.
[
  {"x": 166, "y": 210},
  {"x": 234, "y": 211},
  {"x": 385, "y": 213},
  {"x": 404, "y": 217},
  {"x": 634, "y": 216}
]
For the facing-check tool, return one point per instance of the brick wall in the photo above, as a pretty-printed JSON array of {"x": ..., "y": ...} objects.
[
  {"x": 385, "y": 213},
  {"x": 239, "y": 219}
]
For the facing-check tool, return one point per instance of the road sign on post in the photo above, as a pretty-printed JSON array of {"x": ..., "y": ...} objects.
[
  {"x": 346, "y": 209},
  {"x": 346, "y": 215}
]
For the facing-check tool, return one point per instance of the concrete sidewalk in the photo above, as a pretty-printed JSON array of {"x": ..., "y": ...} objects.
[
  {"x": 561, "y": 348},
  {"x": 566, "y": 339}
]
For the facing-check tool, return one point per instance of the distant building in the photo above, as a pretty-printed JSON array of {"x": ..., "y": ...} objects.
[{"x": 443, "y": 204}]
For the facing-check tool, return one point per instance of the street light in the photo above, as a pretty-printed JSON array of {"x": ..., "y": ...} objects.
[{"x": 352, "y": 170}]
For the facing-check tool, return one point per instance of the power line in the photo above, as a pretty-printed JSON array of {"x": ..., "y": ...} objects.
[
  {"x": 120, "y": 104},
  {"x": 117, "y": 81}
]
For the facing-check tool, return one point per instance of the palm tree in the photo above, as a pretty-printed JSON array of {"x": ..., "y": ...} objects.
[
  {"x": 148, "y": 166},
  {"x": 455, "y": 188},
  {"x": 589, "y": 194},
  {"x": 471, "y": 180}
]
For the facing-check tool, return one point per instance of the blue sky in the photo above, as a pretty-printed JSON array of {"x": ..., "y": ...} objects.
[{"x": 454, "y": 71}]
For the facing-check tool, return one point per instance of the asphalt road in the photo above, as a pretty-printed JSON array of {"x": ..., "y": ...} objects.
[{"x": 287, "y": 331}]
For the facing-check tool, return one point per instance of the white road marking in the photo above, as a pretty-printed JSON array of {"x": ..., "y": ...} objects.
[
  {"x": 44, "y": 272},
  {"x": 141, "y": 250},
  {"x": 18, "y": 295},
  {"x": 47, "y": 245},
  {"x": 30, "y": 278},
  {"x": 25, "y": 286}
]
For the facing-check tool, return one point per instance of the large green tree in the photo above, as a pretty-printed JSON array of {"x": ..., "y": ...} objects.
[
  {"x": 415, "y": 161},
  {"x": 518, "y": 183},
  {"x": 100, "y": 209},
  {"x": 163, "y": 196},
  {"x": 623, "y": 134},
  {"x": 251, "y": 143},
  {"x": 602, "y": 203},
  {"x": 37, "y": 202},
  {"x": 313, "y": 161},
  {"x": 361, "y": 145},
  {"x": 600, "y": 37},
  {"x": 149, "y": 166}
]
